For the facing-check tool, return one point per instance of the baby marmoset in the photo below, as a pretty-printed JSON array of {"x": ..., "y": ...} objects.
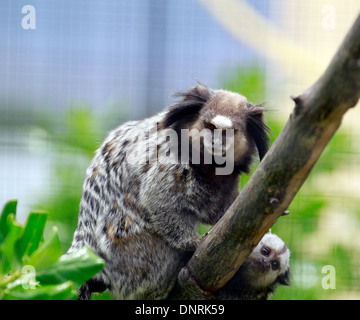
[
  {"x": 146, "y": 189},
  {"x": 265, "y": 268}
]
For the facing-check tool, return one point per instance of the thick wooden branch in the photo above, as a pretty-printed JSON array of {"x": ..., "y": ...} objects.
[{"x": 317, "y": 115}]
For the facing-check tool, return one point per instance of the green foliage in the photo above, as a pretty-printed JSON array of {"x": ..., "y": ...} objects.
[
  {"x": 33, "y": 267},
  {"x": 249, "y": 81}
]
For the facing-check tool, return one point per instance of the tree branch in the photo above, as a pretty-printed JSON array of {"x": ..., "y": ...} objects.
[{"x": 317, "y": 115}]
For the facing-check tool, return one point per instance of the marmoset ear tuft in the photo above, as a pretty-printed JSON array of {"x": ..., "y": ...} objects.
[
  {"x": 284, "y": 278},
  {"x": 257, "y": 129},
  {"x": 188, "y": 105}
]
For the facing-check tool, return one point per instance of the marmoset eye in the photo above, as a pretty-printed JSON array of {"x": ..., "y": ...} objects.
[
  {"x": 275, "y": 265},
  {"x": 265, "y": 251}
]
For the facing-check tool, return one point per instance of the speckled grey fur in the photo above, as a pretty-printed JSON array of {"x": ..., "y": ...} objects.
[{"x": 141, "y": 215}]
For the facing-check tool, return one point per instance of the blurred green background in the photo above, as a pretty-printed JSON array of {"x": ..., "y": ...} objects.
[{"x": 181, "y": 42}]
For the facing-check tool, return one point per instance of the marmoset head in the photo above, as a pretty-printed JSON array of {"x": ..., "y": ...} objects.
[
  {"x": 268, "y": 264},
  {"x": 219, "y": 120},
  {"x": 265, "y": 268}
]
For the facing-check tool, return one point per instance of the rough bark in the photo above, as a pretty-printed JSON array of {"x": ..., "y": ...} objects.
[{"x": 317, "y": 115}]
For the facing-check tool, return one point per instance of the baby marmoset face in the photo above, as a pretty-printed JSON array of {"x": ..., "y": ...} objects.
[
  {"x": 264, "y": 269},
  {"x": 268, "y": 263}
]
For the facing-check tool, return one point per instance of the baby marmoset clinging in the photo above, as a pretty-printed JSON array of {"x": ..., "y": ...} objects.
[
  {"x": 139, "y": 208},
  {"x": 265, "y": 268}
]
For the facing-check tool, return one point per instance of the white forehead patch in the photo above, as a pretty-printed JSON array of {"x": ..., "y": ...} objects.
[
  {"x": 221, "y": 122},
  {"x": 273, "y": 241}
]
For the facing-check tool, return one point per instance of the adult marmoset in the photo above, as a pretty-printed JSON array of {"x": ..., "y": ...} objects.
[
  {"x": 152, "y": 181},
  {"x": 265, "y": 268}
]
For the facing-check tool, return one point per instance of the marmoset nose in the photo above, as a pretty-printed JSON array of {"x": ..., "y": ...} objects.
[{"x": 265, "y": 263}]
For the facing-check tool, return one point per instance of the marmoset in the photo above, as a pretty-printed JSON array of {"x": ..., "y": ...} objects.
[
  {"x": 265, "y": 268},
  {"x": 152, "y": 181}
]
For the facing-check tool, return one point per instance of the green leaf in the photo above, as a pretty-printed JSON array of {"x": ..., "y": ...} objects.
[
  {"x": 78, "y": 267},
  {"x": 47, "y": 253},
  {"x": 9, "y": 208},
  {"x": 48, "y": 292},
  {"x": 106, "y": 295},
  {"x": 33, "y": 234},
  {"x": 9, "y": 258}
]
